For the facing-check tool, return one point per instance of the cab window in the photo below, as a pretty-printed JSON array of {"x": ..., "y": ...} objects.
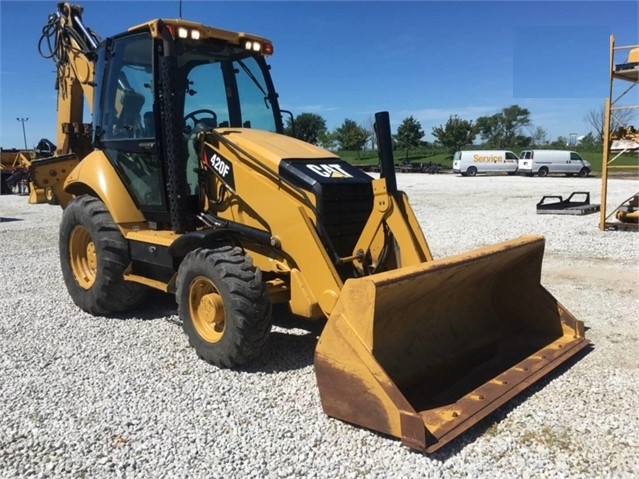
[
  {"x": 128, "y": 94},
  {"x": 575, "y": 157},
  {"x": 125, "y": 120}
]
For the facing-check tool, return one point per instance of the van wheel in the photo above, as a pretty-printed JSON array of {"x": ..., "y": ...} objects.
[
  {"x": 583, "y": 172},
  {"x": 543, "y": 172},
  {"x": 472, "y": 171}
]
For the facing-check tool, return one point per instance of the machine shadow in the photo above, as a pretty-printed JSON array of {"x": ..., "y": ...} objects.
[{"x": 291, "y": 344}]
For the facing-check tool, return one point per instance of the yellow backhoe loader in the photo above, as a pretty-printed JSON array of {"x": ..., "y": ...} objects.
[{"x": 184, "y": 182}]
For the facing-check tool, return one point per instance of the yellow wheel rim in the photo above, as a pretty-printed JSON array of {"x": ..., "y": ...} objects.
[
  {"x": 206, "y": 309},
  {"x": 82, "y": 257}
]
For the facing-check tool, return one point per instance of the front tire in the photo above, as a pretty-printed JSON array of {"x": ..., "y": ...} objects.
[
  {"x": 93, "y": 258},
  {"x": 472, "y": 171},
  {"x": 543, "y": 172},
  {"x": 584, "y": 172},
  {"x": 223, "y": 304}
]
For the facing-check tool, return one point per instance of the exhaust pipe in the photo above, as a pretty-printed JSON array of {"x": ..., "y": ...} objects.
[{"x": 385, "y": 151}]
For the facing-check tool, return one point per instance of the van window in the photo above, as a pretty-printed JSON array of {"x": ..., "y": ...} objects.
[
  {"x": 526, "y": 155},
  {"x": 511, "y": 156},
  {"x": 575, "y": 156}
]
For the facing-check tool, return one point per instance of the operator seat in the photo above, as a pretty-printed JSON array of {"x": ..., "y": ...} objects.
[{"x": 129, "y": 123}]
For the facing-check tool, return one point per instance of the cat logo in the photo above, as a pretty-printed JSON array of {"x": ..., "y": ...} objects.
[{"x": 329, "y": 170}]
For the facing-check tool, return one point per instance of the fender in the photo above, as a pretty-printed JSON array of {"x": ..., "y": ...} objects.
[{"x": 96, "y": 173}]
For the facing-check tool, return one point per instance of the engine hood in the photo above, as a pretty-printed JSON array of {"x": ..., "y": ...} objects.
[{"x": 272, "y": 148}]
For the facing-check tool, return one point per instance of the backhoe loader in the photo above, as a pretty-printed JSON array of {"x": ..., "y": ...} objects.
[{"x": 184, "y": 182}]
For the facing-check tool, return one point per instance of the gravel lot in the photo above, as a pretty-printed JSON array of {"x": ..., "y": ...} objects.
[{"x": 85, "y": 396}]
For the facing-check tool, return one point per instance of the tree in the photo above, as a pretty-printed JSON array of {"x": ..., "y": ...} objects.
[
  {"x": 589, "y": 141},
  {"x": 326, "y": 139},
  {"x": 455, "y": 134},
  {"x": 560, "y": 142},
  {"x": 539, "y": 136},
  {"x": 409, "y": 133},
  {"x": 596, "y": 118},
  {"x": 351, "y": 136},
  {"x": 503, "y": 129},
  {"x": 308, "y": 127}
]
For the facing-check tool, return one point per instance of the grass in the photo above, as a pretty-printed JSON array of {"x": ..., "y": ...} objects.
[
  {"x": 424, "y": 155},
  {"x": 444, "y": 158}
]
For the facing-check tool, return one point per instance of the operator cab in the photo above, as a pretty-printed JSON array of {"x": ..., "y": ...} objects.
[{"x": 216, "y": 79}]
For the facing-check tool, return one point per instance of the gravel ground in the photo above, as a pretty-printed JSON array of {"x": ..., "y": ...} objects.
[{"x": 85, "y": 396}]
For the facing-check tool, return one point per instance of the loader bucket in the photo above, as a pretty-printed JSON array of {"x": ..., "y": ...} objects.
[{"x": 422, "y": 353}]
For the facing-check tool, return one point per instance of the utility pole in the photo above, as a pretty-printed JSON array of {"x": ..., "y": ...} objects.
[{"x": 24, "y": 134}]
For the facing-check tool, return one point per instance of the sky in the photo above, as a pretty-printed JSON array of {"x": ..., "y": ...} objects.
[{"x": 425, "y": 59}]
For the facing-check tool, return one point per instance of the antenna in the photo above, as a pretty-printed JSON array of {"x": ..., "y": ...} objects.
[{"x": 180, "y": 8}]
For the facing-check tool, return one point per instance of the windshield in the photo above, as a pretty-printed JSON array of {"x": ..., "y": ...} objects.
[{"x": 226, "y": 87}]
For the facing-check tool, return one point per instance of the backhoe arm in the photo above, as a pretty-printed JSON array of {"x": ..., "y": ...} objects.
[{"x": 71, "y": 45}]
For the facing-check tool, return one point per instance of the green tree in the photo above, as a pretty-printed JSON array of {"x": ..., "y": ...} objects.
[
  {"x": 308, "y": 127},
  {"x": 503, "y": 129},
  {"x": 455, "y": 134},
  {"x": 539, "y": 136},
  {"x": 326, "y": 139},
  {"x": 409, "y": 134},
  {"x": 590, "y": 142},
  {"x": 560, "y": 142},
  {"x": 351, "y": 136}
]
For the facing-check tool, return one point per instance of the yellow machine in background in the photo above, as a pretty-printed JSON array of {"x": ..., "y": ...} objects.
[
  {"x": 14, "y": 167},
  {"x": 185, "y": 183}
]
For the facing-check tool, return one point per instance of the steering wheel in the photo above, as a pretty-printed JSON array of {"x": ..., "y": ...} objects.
[{"x": 194, "y": 116}]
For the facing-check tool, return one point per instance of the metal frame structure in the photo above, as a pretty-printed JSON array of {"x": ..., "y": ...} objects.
[{"x": 618, "y": 73}]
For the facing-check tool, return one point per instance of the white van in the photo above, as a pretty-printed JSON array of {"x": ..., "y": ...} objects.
[
  {"x": 469, "y": 163},
  {"x": 546, "y": 162}
]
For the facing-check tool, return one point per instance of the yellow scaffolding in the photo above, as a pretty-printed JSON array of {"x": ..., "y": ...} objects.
[{"x": 625, "y": 139}]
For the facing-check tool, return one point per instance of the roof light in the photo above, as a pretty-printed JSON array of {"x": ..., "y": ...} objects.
[
  {"x": 256, "y": 46},
  {"x": 183, "y": 32},
  {"x": 195, "y": 35}
]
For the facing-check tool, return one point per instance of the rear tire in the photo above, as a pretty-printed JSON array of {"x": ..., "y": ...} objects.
[
  {"x": 472, "y": 171},
  {"x": 584, "y": 172},
  {"x": 223, "y": 304},
  {"x": 93, "y": 258},
  {"x": 543, "y": 172}
]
